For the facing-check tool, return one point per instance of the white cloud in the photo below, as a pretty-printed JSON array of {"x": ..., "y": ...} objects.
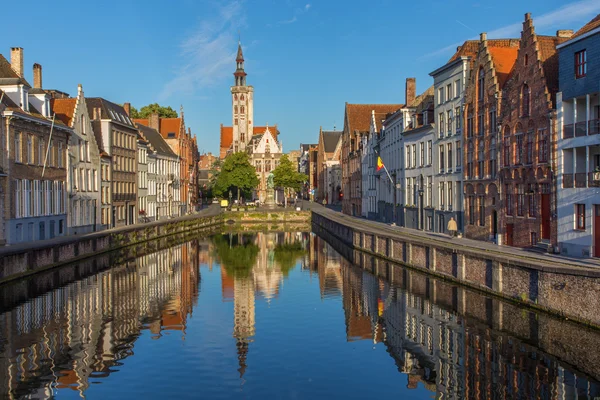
[
  {"x": 297, "y": 13},
  {"x": 208, "y": 51},
  {"x": 577, "y": 12},
  {"x": 306, "y": 7}
]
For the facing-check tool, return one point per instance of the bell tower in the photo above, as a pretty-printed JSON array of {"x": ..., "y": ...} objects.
[{"x": 242, "y": 105}]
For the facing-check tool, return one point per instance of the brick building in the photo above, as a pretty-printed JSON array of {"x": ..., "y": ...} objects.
[
  {"x": 528, "y": 117},
  {"x": 328, "y": 163},
  {"x": 490, "y": 70},
  {"x": 357, "y": 123},
  {"x": 33, "y": 165}
]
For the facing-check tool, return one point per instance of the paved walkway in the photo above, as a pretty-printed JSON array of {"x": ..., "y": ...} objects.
[
  {"x": 554, "y": 261},
  {"x": 210, "y": 211}
]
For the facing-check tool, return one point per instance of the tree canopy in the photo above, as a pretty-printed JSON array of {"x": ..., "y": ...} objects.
[
  {"x": 287, "y": 176},
  {"x": 236, "y": 253},
  {"x": 237, "y": 175},
  {"x": 146, "y": 111}
]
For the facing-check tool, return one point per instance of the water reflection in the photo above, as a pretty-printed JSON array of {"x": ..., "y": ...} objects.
[{"x": 445, "y": 341}]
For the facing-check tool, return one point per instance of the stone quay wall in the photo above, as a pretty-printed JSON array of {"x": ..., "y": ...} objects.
[
  {"x": 18, "y": 262},
  {"x": 568, "y": 291}
]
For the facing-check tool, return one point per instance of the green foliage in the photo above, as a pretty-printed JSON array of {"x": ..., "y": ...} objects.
[
  {"x": 286, "y": 175},
  {"x": 237, "y": 175},
  {"x": 236, "y": 253},
  {"x": 144, "y": 112},
  {"x": 287, "y": 255}
]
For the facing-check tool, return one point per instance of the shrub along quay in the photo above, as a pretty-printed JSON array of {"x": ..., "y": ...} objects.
[{"x": 565, "y": 287}]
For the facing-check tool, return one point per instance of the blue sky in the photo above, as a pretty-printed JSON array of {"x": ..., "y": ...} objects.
[{"x": 304, "y": 58}]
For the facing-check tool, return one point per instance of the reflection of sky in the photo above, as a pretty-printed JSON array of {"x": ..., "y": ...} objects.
[{"x": 299, "y": 351}]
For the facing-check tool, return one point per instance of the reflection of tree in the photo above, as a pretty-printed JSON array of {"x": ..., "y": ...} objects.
[
  {"x": 237, "y": 253},
  {"x": 287, "y": 254}
]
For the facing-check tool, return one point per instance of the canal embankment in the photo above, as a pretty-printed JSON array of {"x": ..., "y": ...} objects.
[
  {"x": 568, "y": 288},
  {"x": 268, "y": 220},
  {"x": 20, "y": 261}
]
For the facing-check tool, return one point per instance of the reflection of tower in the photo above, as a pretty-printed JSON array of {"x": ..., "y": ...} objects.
[{"x": 244, "y": 317}]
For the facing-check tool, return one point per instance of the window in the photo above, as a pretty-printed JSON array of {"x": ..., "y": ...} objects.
[
  {"x": 41, "y": 151},
  {"x": 81, "y": 151},
  {"x": 441, "y": 124},
  {"x": 457, "y": 88},
  {"x": 29, "y": 149},
  {"x": 492, "y": 121},
  {"x": 470, "y": 126},
  {"x": 580, "y": 217},
  {"x": 506, "y": 150},
  {"x": 526, "y": 60},
  {"x": 60, "y": 155},
  {"x": 449, "y": 122},
  {"x": 448, "y": 91},
  {"x": 442, "y": 195},
  {"x": 470, "y": 150},
  {"x": 450, "y": 156},
  {"x": 458, "y": 154},
  {"x": 481, "y": 159},
  {"x": 525, "y": 92},
  {"x": 414, "y": 155},
  {"x": 472, "y": 210},
  {"x": 493, "y": 163},
  {"x": 480, "y": 124},
  {"x": 480, "y": 85},
  {"x": 580, "y": 64},
  {"x": 440, "y": 95},
  {"x": 235, "y": 109},
  {"x": 458, "y": 120},
  {"x": 529, "y": 150},
  {"x": 409, "y": 193},
  {"x": 531, "y": 200},
  {"x": 481, "y": 210},
  {"x": 442, "y": 161},
  {"x": 542, "y": 145},
  {"x": 18, "y": 149},
  {"x": 422, "y": 147},
  {"x": 408, "y": 162},
  {"x": 520, "y": 200},
  {"x": 450, "y": 196},
  {"x": 429, "y": 152},
  {"x": 519, "y": 150},
  {"x": 429, "y": 191}
]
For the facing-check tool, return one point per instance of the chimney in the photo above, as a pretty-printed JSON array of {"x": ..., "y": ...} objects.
[
  {"x": 127, "y": 107},
  {"x": 564, "y": 33},
  {"x": 154, "y": 121},
  {"x": 527, "y": 16},
  {"x": 483, "y": 37},
  {"x": 16, "y": 60},
  {"x": 37, "y": 76},
  {"x": 411, "y": 91}
]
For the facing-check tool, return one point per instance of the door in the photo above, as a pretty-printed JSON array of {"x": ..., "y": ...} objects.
[
  {"x": 597, "y": 230},
  {"x": 509, "y": 234},
  {"x": 546, "y": 216}
]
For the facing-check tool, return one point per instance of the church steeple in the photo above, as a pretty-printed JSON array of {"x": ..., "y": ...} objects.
[{"x": 240, "y": 74}]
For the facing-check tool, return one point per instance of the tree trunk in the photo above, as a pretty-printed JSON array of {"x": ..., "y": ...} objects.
[{"x": 284, "y": 198}]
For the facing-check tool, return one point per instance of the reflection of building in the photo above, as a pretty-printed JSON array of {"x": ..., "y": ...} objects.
[{"x": 100, "y": 316}]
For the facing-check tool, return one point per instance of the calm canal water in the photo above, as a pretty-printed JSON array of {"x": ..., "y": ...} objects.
[{"x": 278, "y": 315}]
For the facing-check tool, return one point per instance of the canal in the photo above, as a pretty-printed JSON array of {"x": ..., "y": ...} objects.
[{"x": 277, "y": 315}]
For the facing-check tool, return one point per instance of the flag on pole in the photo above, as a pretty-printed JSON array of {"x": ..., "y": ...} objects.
[{"x": 379, "y": 164}]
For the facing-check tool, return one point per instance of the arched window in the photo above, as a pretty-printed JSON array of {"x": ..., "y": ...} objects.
[
  {"x": 235, "y": 96},
  {"x": 242, "y": 97},
  {"x": 242, "y": 109},
  {"x": 235, "y": 109},
  {"x": 525, "y": 92},
  {"x": 493, "y": 151},
  {"x": 470, "y": 150},
  {"x": 526, "y": 60},
  {"x": 481, "y": 85},
  {"x": 481, "y": 158}
]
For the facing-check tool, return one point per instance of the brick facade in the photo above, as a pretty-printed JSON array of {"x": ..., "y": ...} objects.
[
  {"x": 528, "y": 142},
  {"x": 483, "y": 96}
]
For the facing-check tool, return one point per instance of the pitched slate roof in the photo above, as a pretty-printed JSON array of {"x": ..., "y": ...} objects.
[
  {"x": 330, "y": 140},
  {"x": 64, "y": 109},
  {"x": 549, "y": 58},
  {"x": 590, "y": 26},
  {"x": 359, "y": 115},
  {"x": 8, "y": 75},
  {"x": 109, "y": 110},
  {"x": 156, "y": 140}
]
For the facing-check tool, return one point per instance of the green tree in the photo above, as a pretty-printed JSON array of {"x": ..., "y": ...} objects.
[
  {"x": 144, "y": 112},
  {"x": 287, "y": 255},
  {"x": 287, "y": 177},
  {"x": 236, "y": 253},
  {"x": 237, "y": 175}
]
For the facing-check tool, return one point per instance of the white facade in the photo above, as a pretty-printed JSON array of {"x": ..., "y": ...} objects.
[
  {"x": 142, "y": 175},
  {"x": 449, "y": 89},
  {"x": 578, "y": 205},
  {"x": 151, "y": 208},
  {"x": 368, "y": 168},
  {"x": 242, "y": 106}
]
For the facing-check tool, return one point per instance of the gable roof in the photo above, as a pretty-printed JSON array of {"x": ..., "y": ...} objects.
[
  {"x": 590, "y": 26},
  {"x": 165, "y": 125},
  {"x": 226, "y": 138},
  {"x": 359, "y": 115},
  {"x": 156, "y": 140},
  {"x": 549, "y": 59},
  {"x": 330, "y": 140},
  {"x": 64, "y": 109},
  {"x": 8, "y": 75},
  {"x": 504, "y": 59},
  {"x": 109, "y": 110},
  {"x": 467, "y": 49}
]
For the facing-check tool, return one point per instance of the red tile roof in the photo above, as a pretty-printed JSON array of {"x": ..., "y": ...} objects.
[
  {"x": 64, "y": 109},
  {"x": 359, "y": 115},
  {"x": 467, "y": 49},
  {"x": 590, "y": 26},
  {"x": 504, "y": 58},
  {"x": 141, "y": 121},
  {"x": 166, "y": 125},
  {"x": 226, "y": 140},
  {"x": 259, "y": 130}
]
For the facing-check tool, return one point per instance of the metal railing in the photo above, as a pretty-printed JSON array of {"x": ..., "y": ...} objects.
[
  {"x": 594, "y": 126},
  {"x": 580, "y": 129},
  {"x": 567, "y": 181},
  {"x": 580, "y": 180}
]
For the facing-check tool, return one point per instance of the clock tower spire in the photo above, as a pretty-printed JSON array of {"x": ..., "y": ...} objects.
[{"x": 242, "y": 105}]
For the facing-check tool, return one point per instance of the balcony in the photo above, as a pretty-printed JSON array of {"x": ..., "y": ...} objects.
[
  {"x": 568, "y": 131},
  {"x": 594, "y": 127},
  {"x": 567, "y": 181},
  {"x": 582, "y": 128},
  {"x": 591, "y": 181},
  {"x": 580, "y": 180}
]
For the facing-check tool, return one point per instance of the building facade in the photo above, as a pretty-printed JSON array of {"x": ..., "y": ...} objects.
[
  {"x": 116, "y": 135},
  {"x": 449, "y": 83},
  {"x": 328, "y": 157},
  {"x": 491, "y": 68},
  {"x": 143, "y": 149},
  {"x": 264, "y": 151},
  {"x": 578, "y": 106},
  {"x": 528, "y": 119},
  {"x": 83, "y": 179},
  {"x": 34, "y": 164}
]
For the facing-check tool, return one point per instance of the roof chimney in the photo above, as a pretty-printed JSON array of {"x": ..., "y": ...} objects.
[
  {"x": 16, "y": 60},
  {"x": 37, "y": 76},
  {"x": 154, "y": 121},
  {"x": 483, "y": 37},
  {"x": 411, "y": 91},
  {"x": 127, "y": 108},
  {"x": 564, "y": 33}
]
